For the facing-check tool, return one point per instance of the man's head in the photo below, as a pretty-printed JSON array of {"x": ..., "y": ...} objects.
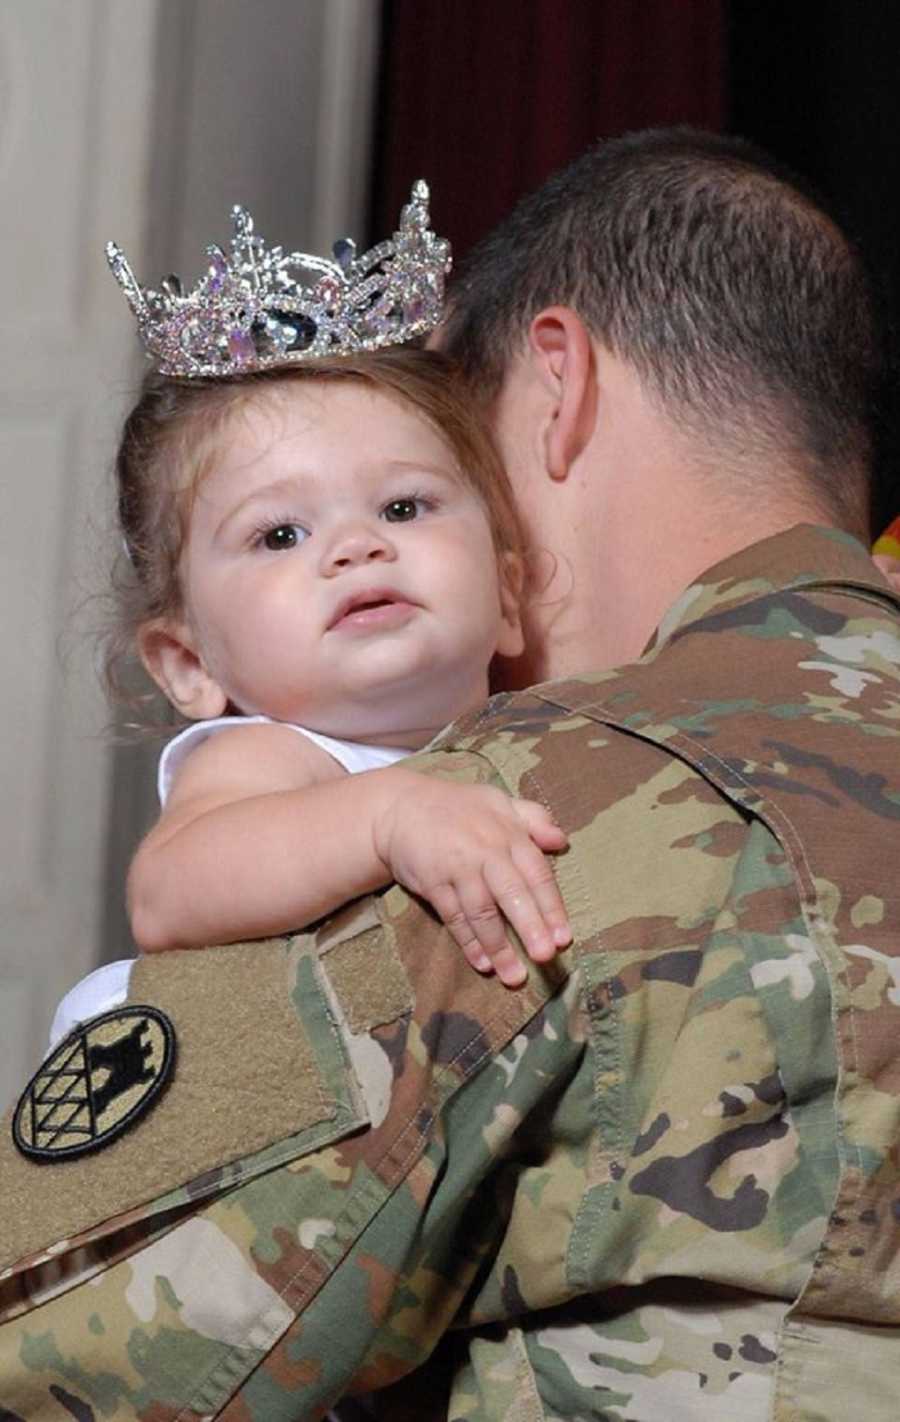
[
  {"x": 697, "y": 260},
  {"x": 679, "y": 351}
]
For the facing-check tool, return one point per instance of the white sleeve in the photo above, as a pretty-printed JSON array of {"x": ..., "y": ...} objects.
[
  {"x": 177, "y": 751},
  {"x": 103, "y": 989},
  {"x": 354, "y": 756}
]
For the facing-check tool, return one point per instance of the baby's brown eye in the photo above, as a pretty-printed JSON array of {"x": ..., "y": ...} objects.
[
  {"x": 401, "y": 510},
  {"x": 286, "y": 535}
]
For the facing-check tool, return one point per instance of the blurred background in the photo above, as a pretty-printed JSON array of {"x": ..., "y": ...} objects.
[{"x": 144, "y": 122}]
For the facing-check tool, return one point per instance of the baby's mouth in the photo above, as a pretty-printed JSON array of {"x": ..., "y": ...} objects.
[{"x": 376, "y": 609}]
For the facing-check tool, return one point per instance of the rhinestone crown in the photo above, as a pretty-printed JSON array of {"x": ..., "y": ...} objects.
[{"x": 264, "y": 307}]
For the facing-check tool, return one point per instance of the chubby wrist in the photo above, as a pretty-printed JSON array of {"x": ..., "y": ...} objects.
[{"x": 390, "y": 789}]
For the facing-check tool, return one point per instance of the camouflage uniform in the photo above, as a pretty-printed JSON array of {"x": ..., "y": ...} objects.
[{"x": 661, "y": 1182}]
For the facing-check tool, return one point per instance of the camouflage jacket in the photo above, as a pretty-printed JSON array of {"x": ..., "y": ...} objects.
[{"x": 661, "y": 1182}]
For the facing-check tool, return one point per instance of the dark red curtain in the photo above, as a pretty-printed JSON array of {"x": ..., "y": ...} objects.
[{"x": 484, "y": 98}]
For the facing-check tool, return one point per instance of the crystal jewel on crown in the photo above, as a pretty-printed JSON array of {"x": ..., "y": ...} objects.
[{"x": 263, "y": 307}]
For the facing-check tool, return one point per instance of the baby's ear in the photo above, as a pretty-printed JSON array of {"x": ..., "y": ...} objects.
[
  {"x": 167, "y": 652},
  {"x": 511, "y": 642}
]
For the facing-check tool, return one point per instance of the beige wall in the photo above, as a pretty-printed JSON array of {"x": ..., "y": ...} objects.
[{"x": 143, "y": 121}]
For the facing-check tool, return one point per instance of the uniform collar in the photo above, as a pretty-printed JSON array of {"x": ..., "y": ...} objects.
[{"x": 802, "y": 556}]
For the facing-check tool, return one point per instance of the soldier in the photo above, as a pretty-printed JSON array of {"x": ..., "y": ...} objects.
[{"x": 661, "y": 1180}]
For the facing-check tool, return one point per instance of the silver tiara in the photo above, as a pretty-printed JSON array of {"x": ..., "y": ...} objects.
[{"x": 263, "y": 307}]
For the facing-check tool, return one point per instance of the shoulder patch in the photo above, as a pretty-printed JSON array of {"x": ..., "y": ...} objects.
[{"x": 97, "y": 1084}]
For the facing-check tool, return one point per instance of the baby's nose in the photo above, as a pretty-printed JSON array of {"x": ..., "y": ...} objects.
[{"x": 360, "y": 544}]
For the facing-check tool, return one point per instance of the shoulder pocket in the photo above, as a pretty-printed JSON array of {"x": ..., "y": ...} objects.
[{"x": 261, "y": 1076}]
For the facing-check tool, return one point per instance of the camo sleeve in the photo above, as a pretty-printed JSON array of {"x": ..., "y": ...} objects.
[
  {"x": 480, "y": 1164},
  {"x": 167, "y": 1271},
  {"x": 630, "y": 1196},
  {"x": 659, "y": 1182}
]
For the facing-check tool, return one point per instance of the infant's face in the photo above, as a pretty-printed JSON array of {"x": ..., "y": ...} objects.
[{"x": 336, "y": 571}]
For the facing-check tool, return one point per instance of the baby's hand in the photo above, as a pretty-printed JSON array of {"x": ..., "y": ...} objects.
[{"x": 478, "y": 857}]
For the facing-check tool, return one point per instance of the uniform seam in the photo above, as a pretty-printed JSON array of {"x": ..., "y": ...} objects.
[
  {"x": 775, "y": 816},
  {"x": 808, "y": 900},
  {"x": 528, "y": 1381},
  {"x": 707, "y": 763},
  {"x": 399, "y": 1172},
  {"x": 578, "y": 1258}
]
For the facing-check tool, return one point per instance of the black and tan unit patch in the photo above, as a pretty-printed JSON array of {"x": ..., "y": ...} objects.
[{"x": 97, "y": 1083}]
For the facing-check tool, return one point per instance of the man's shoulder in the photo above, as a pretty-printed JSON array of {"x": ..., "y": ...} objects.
[
  {"x": 605, "y": 776},
  {"x": 516, "y": 737},
  {"x": 511, "y": 717}
]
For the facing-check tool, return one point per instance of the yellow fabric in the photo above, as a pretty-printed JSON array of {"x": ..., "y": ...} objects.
[{"x": 889, "y": 542}]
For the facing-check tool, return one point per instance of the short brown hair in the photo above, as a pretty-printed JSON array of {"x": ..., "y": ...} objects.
[
  {"x": 170, "y": 434},
  {"x": 717, "y": 275}
]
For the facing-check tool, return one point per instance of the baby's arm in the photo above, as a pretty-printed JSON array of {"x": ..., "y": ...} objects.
[{"x": 264, "y": 833}]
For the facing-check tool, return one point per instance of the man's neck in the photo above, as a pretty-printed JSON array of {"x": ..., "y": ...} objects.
[
  {"x": 610, "y": 592},
  {"x": 645, "y": 507}
]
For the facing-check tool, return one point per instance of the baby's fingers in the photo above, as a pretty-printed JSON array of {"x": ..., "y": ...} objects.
[
  {"x": 470, "y": 915},
  {"x": 541, "y": 825},
  {"x": 480, "y": 903},
  {"x": 549, "y": 911},
  {"x": 512, "y": 892}
]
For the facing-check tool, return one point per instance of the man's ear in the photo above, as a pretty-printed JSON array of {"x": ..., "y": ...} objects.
[
  {"x": 511, "y": 641},
  {"x": 563, "y": 356},
  {"x": 167, "y": 652}
]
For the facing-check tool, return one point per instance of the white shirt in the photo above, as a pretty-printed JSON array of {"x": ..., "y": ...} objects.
[{"x": 107, "y": 986}]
